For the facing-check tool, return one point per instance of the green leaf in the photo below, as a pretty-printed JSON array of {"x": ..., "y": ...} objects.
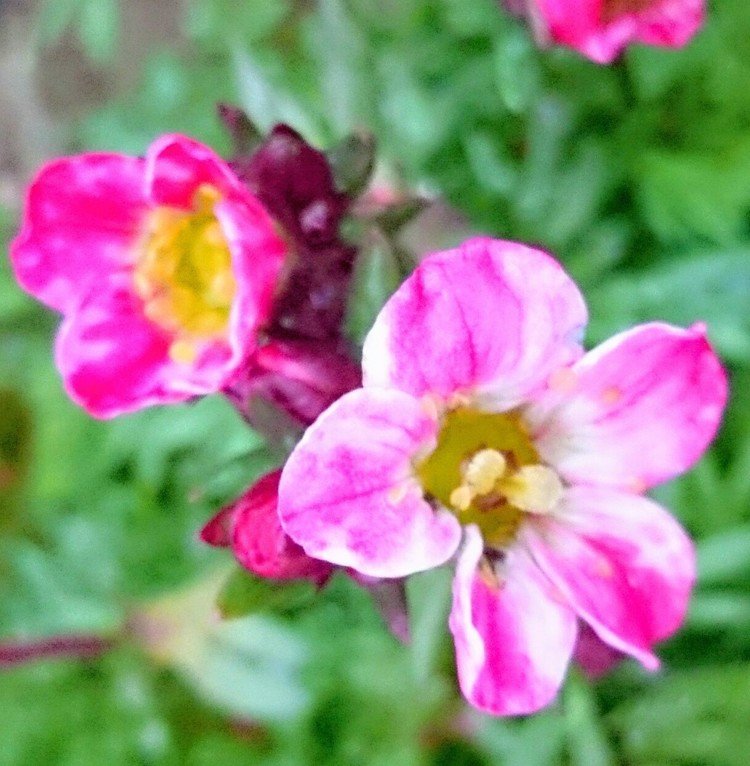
[
  {"x": 516, "y": 70},
  {"x": 352, "y": 161},
  {"x": 711, "y": 286},
  {"x": 99, "y": 28},
  {"x": 724, "y": 556},
  {"x": 377, "y": 273},
  {"x": 587, "y": 742},
  {"x": 428, "y": 597},
  {"x": 689, "y": 718},
  {"x": 244, "y": 593},
  {"x": 55, "y": 16}
]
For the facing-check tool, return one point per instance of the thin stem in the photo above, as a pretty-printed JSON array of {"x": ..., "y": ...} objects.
[{"x": 83, "y": 647}]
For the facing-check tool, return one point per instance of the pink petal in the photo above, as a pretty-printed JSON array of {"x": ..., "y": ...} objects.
[
  {"x": 636, "y": 411},
  {"x": 113, "y": 360},
  {"x": 82, "y": 220},
  {"x": 513, "y": 640},
  {"x": 258, "y": 254},
  {"x": 580, "y": 25},
  {"x": 348, "y": 494},
  {"x": 176, "y": 166},
  {"x": 492, "y": 318},
  {"x": 261, "y": 545},
  {"x": 622, "y": 562}
]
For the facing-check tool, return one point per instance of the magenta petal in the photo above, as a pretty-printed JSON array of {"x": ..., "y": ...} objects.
[
  {"x": 492, "y": 318},
  {"x": 514, "y": 639},
  {"x": 82, "y": 219},
  {"x": 622, "y": 562},
  {"x": 636, "y": 411},
  {"x": 348, "y": 494},
  {"x": 113, "y": 360},
  {"x": 176, "y": 166},
  {"x": 258, "y": 253}
]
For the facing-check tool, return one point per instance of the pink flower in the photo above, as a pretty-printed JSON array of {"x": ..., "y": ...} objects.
[
  {"x": 250, "y": 527},
  {"x": 481, "y": 420},
  {"x": 600, "y": 29},
  {"x": 163, "y": 269}
]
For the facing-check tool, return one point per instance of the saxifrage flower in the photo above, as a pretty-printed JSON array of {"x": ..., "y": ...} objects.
[
  {"x": 482, "y": 426},
  {"x": 163, "y": 267},
  {"x": 600, "y": 29}
]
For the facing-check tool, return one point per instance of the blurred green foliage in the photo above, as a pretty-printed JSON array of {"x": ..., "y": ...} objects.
[{"x": 637, "y": 176}]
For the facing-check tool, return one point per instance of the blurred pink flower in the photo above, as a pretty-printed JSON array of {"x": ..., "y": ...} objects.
[
  {"x": 163, "y": 267},
  {"x": 600, "y": 29},
  {"x": 482, "y": 420}
]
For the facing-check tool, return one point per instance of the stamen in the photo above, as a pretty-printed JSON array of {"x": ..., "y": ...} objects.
[
  {"x": 484, "y": 469},
  {"x": 461, "y": 497},
  {"x": 533, "y": 488}
]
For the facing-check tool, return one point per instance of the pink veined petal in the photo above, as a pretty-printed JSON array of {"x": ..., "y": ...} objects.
[
  {"x": 513, "y": 641},
  {"x": 113, "y": 360},
  {"x": 491, "y": 317},
  {"x": 82, "y": 221},
  {"x": 258, "y": 253},
  {"x": 622, "y": 562},
  {"x": 176, "y": 166},
  {"x": 638, "y": 410},
  {"x": 261, "y": 545},
  {"x": 348, "y": 494}
]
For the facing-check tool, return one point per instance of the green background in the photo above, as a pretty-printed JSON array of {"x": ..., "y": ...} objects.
[{"x": 637, "y": 176}]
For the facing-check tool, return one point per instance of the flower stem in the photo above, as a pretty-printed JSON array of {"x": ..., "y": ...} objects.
[{"x": 83, "y": 647}]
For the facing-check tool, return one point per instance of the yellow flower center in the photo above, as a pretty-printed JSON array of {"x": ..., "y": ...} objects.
[
  {"x": 184, "y": 274},
  {"x": 486, "y": 470}
]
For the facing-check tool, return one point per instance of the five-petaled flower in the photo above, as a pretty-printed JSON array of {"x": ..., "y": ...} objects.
[
  {"x": 481, "y": 420},
  {"x": 600, "y": 29},
  {"x": 163, "y": 267}
]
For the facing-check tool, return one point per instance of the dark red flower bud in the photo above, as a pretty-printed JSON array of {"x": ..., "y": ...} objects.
[
  {"x": 250, "y": 526},
  {"x": 300, "y": 377}
]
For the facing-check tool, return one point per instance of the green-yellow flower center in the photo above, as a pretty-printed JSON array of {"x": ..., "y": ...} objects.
[
  {"x": 184, "y": 274},
  {"x": 613, "y": 9},
  {"x": 487, "y": 471}
]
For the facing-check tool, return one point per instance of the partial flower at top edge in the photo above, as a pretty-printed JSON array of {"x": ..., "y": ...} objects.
[{"x": 601, "y": 29}]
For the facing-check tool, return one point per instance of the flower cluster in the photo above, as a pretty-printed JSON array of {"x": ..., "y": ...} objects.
[{"x": 478, "y": 430}]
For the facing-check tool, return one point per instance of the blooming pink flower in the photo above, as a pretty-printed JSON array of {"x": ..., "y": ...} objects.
[
  {"x": 163, "y": 268},
  {"x": 600, "y": 29},
  {"x": 250, "y": 527},
  {"x": 482, "y": 420}
]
